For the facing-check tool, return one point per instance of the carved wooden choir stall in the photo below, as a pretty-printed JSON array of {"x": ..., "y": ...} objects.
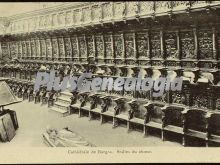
[{"x": 121, "y": 39}]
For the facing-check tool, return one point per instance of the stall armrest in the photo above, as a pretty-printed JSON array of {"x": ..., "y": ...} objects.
[
  {"x": 149, "y": 103},
  {"x": 185, "y": 111},
  {"x": 208, "y": 115},
  {"x": 82, "y": 93},
  {"x": 164, "y": 108}
]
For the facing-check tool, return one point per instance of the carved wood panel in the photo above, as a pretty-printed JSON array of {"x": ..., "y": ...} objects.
[
  {"x": 19, "y": 49},
  {"x": 28, "y": 47},
  {"x": 200, "y": 100},
  {"x": 205, "y": 43},
  {"x": 99, "y": 46},
  {"x": 129, "y": 45},
  {"x": 61, "y": 48},
  {"x": 49, "y": 47},
  {"x": 24, "y": 49},
  {"x": 61, "y": 19},
  {"x": 162, "y": 5},
  {"x": 82, "y": 46},
  {"x": 33, "y": 48},
  {"x": 43, "y": 48},
  {"x": 142, "y": 44},
  {"x": 178, "y": 98},
  {"x": 77, "y": 16},
  {"x": 54, "y": 20},
  {"x": 187, "y": 44},
  {"x": 132, "y": 8},
  {"x": 119, "y": 9},
  {"x": 86, "y": 14},
  {"x": 38, "y": 48},
  {"x": 163, "y": 98},
  {"x": 74, "y": 47},
  {"x": 108, "y": 46},
  {"x": 90, "y": 46},
  {"x": 146, "y": 7},
  {"x": 68, "y": 47},
  {"x": 13, "y": 49},
  {"x": 118, "y": 45},
  {"x": 96, "y": 13},
  {"x": 55, "y": 52},
  {"x": 107, "y": 10},
  {"x": 155, "y": 45},
  {"x": 171, "y": 45},
  {"x": 69, "y": 18},
  {"x": 5, "y": 50}
]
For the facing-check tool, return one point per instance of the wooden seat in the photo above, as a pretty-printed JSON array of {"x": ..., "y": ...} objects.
[
  {"x": 154, "y": 117},
  {"x": 123, "y": 112},
  {"x": 137, "y": 116},
  {"x": 174, "y": 120},
  {"x": 30, "y": 93},
  {"x": 75, "y": 103},
  {"x": 98, "y": 106},
  {"x": 196, "y": 124},
  {"x": 214, "y": 128},
  {"x": 111, "y": 106},
  {"x": 85, "y": 103}
]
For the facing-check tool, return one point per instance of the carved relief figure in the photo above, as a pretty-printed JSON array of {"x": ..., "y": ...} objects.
[
  {"x": 90, "y": 46},
  {"x": 205, "y": 44},
  {"x": 187, "y": 45},
  {"x": 82, "y": 46},
  {"x": 99, "y": 45},
  {"x": 74, "y": 46},
  {"x": 118, "y": 47},
  {"x": 142, "y": 45},
  {"x": 55, "y": 48},
  {"x": 129, "y": 45},
  {"x": 155, "y": 45},
  {"x": 108, "y": 46},
  {"x": 68, "y": 47},
  {"x": 171, "y": 45}
]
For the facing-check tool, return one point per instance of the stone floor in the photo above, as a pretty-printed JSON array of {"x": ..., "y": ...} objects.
[{"x": 34, "y": 118}]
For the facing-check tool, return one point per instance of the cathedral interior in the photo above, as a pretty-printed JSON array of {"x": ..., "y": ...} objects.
[{"x": 117, "y": 39}]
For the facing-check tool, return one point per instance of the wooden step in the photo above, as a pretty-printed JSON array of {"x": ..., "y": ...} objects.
[
  {"x": 61, "y": 104},
  {"x": 59, "y": 111},
  {"x": 66, "y": 93}
]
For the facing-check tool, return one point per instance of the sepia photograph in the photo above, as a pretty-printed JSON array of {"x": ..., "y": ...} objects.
[{"x": 127, "y": 79}]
